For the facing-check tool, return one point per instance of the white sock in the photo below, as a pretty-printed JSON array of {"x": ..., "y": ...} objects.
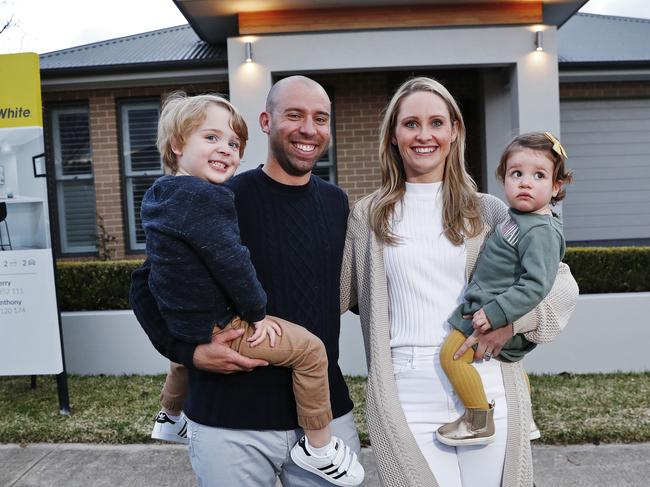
[
  {"x": 175, "y": 419},
  {"x": 322, "y": 451}
]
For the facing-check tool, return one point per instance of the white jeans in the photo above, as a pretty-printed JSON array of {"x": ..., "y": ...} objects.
[{"x": 429, "y": 401}]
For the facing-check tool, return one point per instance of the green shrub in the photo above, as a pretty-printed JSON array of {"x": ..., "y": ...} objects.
[
  {"x": 99, "y": 285},
  {"x": 610, "y": 269},
  {"x": 94, "y": 285}
]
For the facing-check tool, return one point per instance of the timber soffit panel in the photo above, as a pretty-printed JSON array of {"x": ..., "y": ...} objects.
[{"x": 216, "y": 20}]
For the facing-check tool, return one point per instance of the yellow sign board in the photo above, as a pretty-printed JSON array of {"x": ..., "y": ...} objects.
[{"x": 20, "y": 91}]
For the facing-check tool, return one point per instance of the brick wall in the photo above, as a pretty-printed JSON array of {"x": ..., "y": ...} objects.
[
  {"x": 358, "y": 101},
  {"x": 104, "y": 133},
  {"x": 627, "y": 89}
]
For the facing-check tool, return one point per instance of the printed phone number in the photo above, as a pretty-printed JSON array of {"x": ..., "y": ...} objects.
[
  {"x": 12, "y": 291},
  {"x": 15, "y": 310}
]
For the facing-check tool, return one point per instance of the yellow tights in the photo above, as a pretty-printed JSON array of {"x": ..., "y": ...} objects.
[{"x": 461, "y": 373}]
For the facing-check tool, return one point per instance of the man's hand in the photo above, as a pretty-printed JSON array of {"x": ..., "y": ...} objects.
[
  {"x": 481, "y": 322},
  {"x": 218, "y": 357}
]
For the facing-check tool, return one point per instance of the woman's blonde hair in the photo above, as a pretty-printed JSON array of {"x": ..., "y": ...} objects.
[
  {"x": 461, "y": 209},
  {"x": 182, "y": 114}
]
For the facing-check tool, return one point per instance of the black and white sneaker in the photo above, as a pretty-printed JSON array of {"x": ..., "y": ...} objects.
[
  {"x": 340, "y": 466},
  {"x": 166, "y": 429}
]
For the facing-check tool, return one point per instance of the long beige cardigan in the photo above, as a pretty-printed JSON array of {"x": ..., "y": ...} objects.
[{"x": 363, "y": 282}]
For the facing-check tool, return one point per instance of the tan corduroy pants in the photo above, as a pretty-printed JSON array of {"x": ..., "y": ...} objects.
[{"x": 297, "y": 349}]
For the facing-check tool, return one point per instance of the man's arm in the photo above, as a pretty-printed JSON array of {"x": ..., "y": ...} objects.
[{"x": 215, "y": 356}]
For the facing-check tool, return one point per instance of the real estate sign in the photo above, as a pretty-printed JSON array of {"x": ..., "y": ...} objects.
[{"x": 30, "y": 338}]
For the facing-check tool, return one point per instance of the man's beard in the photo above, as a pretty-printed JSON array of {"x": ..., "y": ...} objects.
[{"x": 289, "y": 166}]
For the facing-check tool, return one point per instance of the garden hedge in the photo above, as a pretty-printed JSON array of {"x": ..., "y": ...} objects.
[
  {"x": 610, "y": 269},
  {"x": 94, "y": 285},
  {"x": 101, "y": 285}
]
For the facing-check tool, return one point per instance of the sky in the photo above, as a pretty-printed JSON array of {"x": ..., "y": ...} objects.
[{"x": 49, "y": 25}]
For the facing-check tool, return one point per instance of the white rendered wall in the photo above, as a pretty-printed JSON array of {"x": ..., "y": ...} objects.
[
  {"x": 534, "y": 76},
  {"x": 607, "y": 332}
]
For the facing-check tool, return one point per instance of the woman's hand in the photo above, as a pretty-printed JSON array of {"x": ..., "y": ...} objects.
[
  {"x": 469, "y": 343},
  {"x": 489, "y": 344},
  {"x": 263, "y": 328}
]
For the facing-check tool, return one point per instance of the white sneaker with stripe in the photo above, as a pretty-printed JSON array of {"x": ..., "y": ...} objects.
[
  {"x": 166, "y": 429},
  {"x": 340, "y": 466}
]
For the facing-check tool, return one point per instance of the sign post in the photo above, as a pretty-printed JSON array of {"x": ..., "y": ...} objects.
[{"x": 30, "y": 322}]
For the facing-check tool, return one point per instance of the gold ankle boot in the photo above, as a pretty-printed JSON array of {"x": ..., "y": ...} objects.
[{"x": 475, "y": 427}]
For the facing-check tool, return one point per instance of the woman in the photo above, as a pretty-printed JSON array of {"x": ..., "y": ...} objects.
[{"x": 410, "y": 249}]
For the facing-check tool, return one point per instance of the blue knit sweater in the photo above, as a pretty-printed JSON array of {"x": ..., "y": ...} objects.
[
  {"x": 295, "y": 235},
  {"x": 201, "y": 275}
]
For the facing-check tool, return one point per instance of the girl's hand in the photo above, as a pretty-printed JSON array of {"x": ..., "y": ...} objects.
[
  {"x": 481, "y": 322},
  {"x": 263, "y": 328}
]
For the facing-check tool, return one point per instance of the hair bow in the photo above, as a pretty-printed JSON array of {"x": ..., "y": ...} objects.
[{"x": 557, "y": 147}]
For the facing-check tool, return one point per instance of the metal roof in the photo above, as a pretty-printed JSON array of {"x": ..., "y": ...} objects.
[
  {"x": 590, "y": 38},
  {"x": 169, "y": 46},
  {"x": 584, "y": 38}
]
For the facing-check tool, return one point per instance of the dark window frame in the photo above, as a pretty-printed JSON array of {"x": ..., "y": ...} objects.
[
  {"x": 51, "y": 110},
  {"x": 131, "y": 246}
]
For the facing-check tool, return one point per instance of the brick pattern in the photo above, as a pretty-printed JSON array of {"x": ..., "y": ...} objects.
[
  {"x": 358, "y": 102},
  {"x": 104, "y": 136},
  {"x": 359, "y": 99},
  {"x": 627, "y": 89}
]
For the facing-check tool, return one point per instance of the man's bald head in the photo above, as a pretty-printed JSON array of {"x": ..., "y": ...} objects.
[{"x": 284, "y": 87}]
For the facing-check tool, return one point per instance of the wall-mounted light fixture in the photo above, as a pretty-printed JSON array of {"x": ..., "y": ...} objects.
[
  {"x": 249, "y": 52},
  {"x": 539, "y": 40}
]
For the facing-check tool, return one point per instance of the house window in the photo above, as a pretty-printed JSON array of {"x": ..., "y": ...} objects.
[
  {"x": 326, "y": 166},
  {"x": 141, "y": 159},
  {"x": 73, "y": 170}
]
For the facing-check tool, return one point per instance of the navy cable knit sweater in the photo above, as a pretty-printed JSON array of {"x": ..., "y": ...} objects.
[
  {"x": 201, "y": 275},
  {"x": 295, "y": 235}
]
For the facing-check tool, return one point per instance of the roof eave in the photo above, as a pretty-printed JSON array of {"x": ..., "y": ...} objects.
[
  {"x": 215, "y": 29},
  {"x": 205, "y": 27},
  {"x": 122, "y": 76},
  {"x": 604, "y": 71},
  {"x": 559, "y": 13}
]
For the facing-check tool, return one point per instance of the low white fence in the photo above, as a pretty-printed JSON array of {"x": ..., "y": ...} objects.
[{"x": 608, "y": 332}]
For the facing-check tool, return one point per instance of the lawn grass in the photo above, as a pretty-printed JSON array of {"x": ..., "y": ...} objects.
[{"x": 107, "y": 409}]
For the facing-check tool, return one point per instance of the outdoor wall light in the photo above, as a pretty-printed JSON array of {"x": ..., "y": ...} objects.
[
  {"x": 249, "y": 52},
  {"x": 539, "y": 41}
]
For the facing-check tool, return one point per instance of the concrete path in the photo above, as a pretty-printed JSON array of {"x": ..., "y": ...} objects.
[{"x": 81, "y": 465}]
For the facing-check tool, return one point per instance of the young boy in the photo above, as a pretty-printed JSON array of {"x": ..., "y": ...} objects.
[
  {"x": 515, "y": 271},
  {"x": 204, "y": 282}
]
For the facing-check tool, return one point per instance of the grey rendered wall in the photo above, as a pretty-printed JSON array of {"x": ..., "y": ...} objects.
[{"x": 533, "y": 84}]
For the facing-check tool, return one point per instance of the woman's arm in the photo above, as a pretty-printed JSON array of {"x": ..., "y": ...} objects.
[
  {"x": 548, "y": 318},
  {"x": 541, "y": 325},
  {"x": 348, "y": 267}
]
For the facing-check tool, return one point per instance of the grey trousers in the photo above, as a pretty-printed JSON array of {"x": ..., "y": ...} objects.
[{"x": 232, "y": 458}]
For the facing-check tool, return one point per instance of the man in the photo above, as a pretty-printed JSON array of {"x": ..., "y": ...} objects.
[{"x": 243, "y": 425}]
